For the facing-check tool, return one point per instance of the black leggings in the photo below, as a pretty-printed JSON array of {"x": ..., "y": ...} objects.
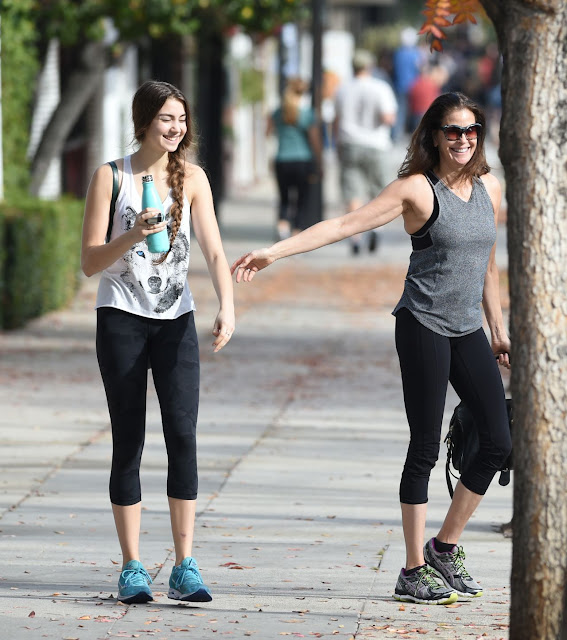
[
  {"x": 126, "y": 345},
  {"x": 293, "y": 180},
  {"x": 428, "y": 362}
]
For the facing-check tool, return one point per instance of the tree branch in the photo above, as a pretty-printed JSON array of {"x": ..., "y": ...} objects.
[{"x": 81, "y": 85}]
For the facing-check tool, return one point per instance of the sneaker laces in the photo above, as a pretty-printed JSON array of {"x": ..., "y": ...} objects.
[
  {"x": 427, "y": 576},
  {"x": 180, "y": 578},
  {"x": 136, "y": 576},
  {"x": 458, "y": 557}
]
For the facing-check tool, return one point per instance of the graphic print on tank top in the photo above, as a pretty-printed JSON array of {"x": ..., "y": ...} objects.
[{"x": 164, "y": 281}]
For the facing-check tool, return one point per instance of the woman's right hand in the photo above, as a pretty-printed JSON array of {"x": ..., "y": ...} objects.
[
  {"x": 250, "y": 263},
  {"x": 141, "y": 229}
]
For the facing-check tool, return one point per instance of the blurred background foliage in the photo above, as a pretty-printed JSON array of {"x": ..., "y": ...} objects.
[
  {"x": 71, "y": 20},
  {"x": 39, "y": 240},
  {"x": 19, "y": 69}
]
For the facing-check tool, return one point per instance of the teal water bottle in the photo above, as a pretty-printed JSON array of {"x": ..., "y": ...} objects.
[{"x": 157, "y": 242}]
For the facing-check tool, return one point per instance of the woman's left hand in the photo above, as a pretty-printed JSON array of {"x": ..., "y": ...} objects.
[
  {"x": 223, "y": 330},
  {"x": 501, "y": 350}
]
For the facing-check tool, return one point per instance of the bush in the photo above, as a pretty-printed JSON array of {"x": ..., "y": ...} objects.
[
  {"x": 39, "y": 257},
  {"x": 20, "y": 65}
]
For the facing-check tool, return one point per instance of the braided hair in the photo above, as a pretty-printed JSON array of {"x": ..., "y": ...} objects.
[{"x": 147, "y": 102}]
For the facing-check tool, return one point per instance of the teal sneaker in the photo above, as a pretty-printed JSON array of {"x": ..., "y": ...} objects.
[
  {"x": 133, "y": 584},
  {"x": 186, "y": 583}
]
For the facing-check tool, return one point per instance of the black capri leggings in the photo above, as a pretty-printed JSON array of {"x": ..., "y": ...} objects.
[
  {"x": 126, "y": 344},
  {"x": 428, "y": 362}
]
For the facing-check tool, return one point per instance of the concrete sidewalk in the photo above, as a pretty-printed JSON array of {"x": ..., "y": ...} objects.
[{"x": 302, "y": 437}]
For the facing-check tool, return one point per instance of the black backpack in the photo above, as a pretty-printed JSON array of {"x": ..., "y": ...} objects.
[{"x": 462, "y": 445}]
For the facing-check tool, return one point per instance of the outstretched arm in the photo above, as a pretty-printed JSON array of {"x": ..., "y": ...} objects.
[{"x": 383, "y": 209}]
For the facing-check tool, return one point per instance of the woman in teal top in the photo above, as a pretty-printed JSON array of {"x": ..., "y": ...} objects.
[{"x": 299, "y": 143}]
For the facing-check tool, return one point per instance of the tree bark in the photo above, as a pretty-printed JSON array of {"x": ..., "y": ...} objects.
[
  {"x": 79, "y": 88},
  {"x": 533, "y": 139},
  {"x": 211, "y": 98}
]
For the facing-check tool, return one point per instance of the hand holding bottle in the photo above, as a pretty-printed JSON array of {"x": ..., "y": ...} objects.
[
  {"x": 158, "y": 241},
  {"x": 142, "y": 228}
]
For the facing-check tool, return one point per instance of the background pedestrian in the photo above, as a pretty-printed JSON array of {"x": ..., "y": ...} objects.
[
  {"x": 366, "y": 110},
  {"x": 299, "y": 146}
]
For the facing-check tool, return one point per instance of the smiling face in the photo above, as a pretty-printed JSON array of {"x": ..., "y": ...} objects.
[
  {"x": 168, "y": 127},
  {"x": 455, "y": 155}
]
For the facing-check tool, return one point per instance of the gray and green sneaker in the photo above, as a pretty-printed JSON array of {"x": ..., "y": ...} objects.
[
  {"x": 423, "y": 587},
  {"x": 451, "y": 569}
]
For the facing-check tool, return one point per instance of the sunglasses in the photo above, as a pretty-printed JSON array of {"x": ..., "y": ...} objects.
[{"x": 453, "y": 132}]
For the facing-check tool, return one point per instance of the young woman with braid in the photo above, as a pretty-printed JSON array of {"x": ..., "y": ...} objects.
[
  {"x": 145, "y": 320},
  {"x": 449, "y": 203}
]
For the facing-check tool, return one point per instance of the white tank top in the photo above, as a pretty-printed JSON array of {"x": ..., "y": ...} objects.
[{"x": 134, "y": 283}]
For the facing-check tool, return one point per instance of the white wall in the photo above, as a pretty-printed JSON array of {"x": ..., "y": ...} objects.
[{"x": 120, "y": 84}]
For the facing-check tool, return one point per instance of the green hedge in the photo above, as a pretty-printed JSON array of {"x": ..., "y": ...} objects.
[{"x": 40, "y": 246}]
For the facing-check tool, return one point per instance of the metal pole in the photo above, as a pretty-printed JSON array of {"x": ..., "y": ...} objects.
[{"x": 317, "y": 12}]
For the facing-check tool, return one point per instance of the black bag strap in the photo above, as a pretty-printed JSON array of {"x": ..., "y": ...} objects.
[
  {"x": 115, "y": 189},
  {"x": 448, "y": 472}
]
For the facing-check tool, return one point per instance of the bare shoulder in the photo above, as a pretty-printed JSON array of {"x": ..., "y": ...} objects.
[
  {"x": 196, "y": 181},
  {"x": 494, "y": 190},
  {"x": 105, "y": 170},
  {"x": 492, "y": 184},
  {"x": 102, "y": 179},
  {"x": 415, "y": 181},
  {"x": 194, "y": 172},
  {"x": 415, "y": 189}
]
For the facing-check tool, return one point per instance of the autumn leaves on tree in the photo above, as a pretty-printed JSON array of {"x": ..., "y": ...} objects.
[{"x": 437, "y": 14}]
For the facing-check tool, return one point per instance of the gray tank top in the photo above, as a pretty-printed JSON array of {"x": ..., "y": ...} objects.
[{"x": 445, "y": 280}]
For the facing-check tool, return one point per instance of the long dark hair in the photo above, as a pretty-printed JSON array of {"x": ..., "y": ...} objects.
[
  {"x": 423, "y": 155},
  {"x": 147, "y": 102}
]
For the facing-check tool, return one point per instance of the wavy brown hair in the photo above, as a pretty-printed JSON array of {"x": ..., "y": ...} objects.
[
  {"x": 423, "y": 155},
  {"x": 147, "y": 102}
]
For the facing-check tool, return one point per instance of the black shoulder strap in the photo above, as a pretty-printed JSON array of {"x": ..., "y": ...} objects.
[
  {"x": 115, "y": 188},
  {"x": 433, "y": 179}
]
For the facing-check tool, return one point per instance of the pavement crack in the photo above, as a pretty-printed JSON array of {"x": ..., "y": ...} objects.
[
  {"x": 381, "y": 553},
  {"x": 35, "y": 488}
]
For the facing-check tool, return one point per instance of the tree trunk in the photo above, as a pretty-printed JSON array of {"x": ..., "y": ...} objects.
[
  {"x": 533, "y": 139},
  {"x": 79, "y": 88},
  {"x": 211, "y": 97}
]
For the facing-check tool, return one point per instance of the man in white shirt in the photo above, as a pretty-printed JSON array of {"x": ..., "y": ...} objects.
[{"x": 366, "y": 111}]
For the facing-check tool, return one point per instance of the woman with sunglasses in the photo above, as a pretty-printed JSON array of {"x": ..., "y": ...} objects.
[{"x": 449, "y": 203}]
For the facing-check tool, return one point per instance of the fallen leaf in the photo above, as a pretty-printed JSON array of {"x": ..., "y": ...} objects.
[
  {"x": 293, "y": 621},
  {"x": 31, "y": 614}
]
